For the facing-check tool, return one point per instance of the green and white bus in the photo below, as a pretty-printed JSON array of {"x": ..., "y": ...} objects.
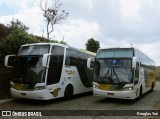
[
  {"x": 124, "y": 73},
  {"x": 46, "y": 71}
]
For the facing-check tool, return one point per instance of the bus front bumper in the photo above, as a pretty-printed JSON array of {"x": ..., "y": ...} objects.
[
  {"x": 130, "y": 94},
  {"x": 37, "y": 94}
]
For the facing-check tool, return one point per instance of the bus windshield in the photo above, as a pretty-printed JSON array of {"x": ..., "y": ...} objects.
[
  {"x": 28, "y": 64},
  {"x": 113, "y": 71},
  {"x": 115, "y": 53},
  {"x": 34, "y": 50},
  {"x": 28, "y": 69}
]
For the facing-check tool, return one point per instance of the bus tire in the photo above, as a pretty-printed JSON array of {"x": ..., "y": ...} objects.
[
  {"x": 140, "y": 93},
  {"x": 152, "y": 87},
  {"x": 68, "y": 93}
]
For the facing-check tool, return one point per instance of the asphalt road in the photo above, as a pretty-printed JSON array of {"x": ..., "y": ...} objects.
[{"x": 84, "y": 104}]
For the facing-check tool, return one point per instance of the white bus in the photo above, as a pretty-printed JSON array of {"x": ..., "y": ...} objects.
[
  {"x": 46, "y": 71},
  {"x": 124, "y": 73}
]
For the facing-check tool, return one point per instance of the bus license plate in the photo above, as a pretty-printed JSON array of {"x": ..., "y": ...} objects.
[
  {"x": 23, "y": 94},
  {"x": 112, "y": 94}
]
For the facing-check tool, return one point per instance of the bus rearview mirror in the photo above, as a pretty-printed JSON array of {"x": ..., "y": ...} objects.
[
  {"x": 134, "y": 62},
  {"x": 9, "y": 60},
  {"x": 90, "y": 62}
]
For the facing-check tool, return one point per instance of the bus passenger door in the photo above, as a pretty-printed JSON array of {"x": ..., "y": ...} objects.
[
  {"x": 141, "y": 75},
  {"x": 55, "y": 70}
]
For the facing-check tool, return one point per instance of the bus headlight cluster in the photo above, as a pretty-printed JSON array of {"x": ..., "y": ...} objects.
[
  {"x": 95, "y": 86},
  {"x": 128, "y": 88},
  {"x": 11, "y": 85},
  {"x": 39, "y": 88}
]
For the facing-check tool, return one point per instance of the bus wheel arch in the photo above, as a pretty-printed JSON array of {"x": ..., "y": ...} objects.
[
  {"x": 68, "y": 93},
  {"x": 152, "y": 87},
  {"x": 140, "y": 92}
]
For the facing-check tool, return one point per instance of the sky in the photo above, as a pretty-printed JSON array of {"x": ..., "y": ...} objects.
[{"x": 114, "y": 23}]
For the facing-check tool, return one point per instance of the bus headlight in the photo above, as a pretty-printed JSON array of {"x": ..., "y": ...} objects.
[
  {"x": 95, "y": 86},
  {"x": 128, "y": 88},
  {"x": 11, "y": 85},
  {"x": 39, "y": 88}
]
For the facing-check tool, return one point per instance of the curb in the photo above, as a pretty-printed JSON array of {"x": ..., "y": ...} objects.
[{"x": 7, "y": 100}]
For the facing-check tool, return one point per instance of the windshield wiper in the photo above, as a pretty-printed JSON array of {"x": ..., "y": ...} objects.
[
  {"x": 116, "y": 75},
  {"x": 109, "y": 76}
]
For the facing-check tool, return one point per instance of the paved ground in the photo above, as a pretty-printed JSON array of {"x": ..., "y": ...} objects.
[{"x": 88, "y": 102}]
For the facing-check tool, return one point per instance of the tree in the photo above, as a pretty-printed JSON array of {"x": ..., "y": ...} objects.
[
  {"x": 53, "y": 15},
  {"x": 92, "y": 45},
  {"x": 62, "y": 42},
  {"x": 4, "y": 31},
  {"x": 17, "y": 24},
  {"x": 14, "y": 40},
  {"x": 16, "y": 37}
]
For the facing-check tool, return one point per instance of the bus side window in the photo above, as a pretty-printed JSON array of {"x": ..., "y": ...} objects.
[
  {"x": 73, "y": 57},
  {"x": 67, "y": 60}
]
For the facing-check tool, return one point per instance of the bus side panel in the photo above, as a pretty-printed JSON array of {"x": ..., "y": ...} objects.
[
  {"x": 86, "y": 76},
  {"x": 70, "y": 75},
  {"x": 146, "y": 78}
]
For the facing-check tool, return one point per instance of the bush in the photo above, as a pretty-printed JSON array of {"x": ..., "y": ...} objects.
[{"x": 14, "y": 40}]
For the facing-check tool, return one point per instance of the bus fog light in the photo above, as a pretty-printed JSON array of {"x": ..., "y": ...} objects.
[{"x": 39, "y": 88}]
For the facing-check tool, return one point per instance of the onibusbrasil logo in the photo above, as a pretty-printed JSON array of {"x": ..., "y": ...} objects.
[{"x": 21, "y": 113}]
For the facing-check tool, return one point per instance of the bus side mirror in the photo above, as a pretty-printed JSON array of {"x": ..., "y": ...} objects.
[
  {"x": 134, "y": 62},
  {"x": 45, "y": 59},
  {"x": 90, "y": 62},
  {"x": 9, "y": 60}
]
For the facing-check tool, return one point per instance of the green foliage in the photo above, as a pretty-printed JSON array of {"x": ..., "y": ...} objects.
[
  {"x": 12, "y": 37},
  {"x": 56, "y": 41},
  {"x": 92, "y": 45},
  {"x": 4, "y": 31},
  {"x": 16, "y": 24},
  {"x": 14, "y": 40},
  {"x": 42, "y": 39},
  {"x": 62, "y": 42},
  {"x": 53, "y": 41}
]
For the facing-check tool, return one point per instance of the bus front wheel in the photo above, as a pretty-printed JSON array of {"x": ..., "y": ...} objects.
[
  {"x": 68, "y": 92},
  {"x": 140, "y": 93},
  {"x": 152, "y": 87}
]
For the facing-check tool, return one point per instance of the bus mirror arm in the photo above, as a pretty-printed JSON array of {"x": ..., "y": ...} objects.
[{"x": 45, "y": 60}]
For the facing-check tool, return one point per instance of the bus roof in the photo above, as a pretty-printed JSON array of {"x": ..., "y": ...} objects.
[
  {"x": 89, "y": 52},
  {"x": 63, "y": 45},
  {"x": 139, "y": 55},
  {"x": 117, "y": 48},
  {"x": 45, "y": 44}
]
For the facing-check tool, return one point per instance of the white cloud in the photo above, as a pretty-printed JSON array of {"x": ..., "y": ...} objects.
[
  {"x": 77, "y": 32},
  {"x": 115, "y": 23},
  {"x": 151, "y": 50},
  {"x": 22, "y": 4},
  {"x": 130, "y": 8},
  {"x": 31, "y": 16}
]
